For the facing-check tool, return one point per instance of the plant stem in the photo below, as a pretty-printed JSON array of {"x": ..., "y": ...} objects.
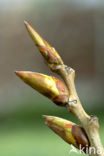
[{"x": 89, "y": 123}]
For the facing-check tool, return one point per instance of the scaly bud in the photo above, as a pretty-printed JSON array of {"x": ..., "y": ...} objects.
[
  {"x": 48, "y": 52},
  {"x": 49, "y": 86},
  {"x": 69, "y": 131}
]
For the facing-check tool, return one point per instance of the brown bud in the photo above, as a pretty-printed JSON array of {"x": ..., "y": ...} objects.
[
  {"x": 69, "y": 131},
  {"x": 49, "y": 86},
  {"x": 48, "y": 52}
]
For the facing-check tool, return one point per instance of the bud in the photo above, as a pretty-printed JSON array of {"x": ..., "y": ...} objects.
[
  {"x": 49, "y": 86},
  {"x": 69, "y": 131},
  {"x": 48, "y": 52}
]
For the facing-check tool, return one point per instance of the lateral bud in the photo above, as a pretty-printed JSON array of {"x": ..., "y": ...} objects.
[
  {"x": 49, "y": 86},
  {"x": 68, "y": 131}
]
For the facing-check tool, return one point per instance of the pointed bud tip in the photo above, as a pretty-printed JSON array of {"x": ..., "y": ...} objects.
[
  {"x": 17, "y": 72},
  {"x": 20, "y": 73},
  {"x": 48, "y": 118},
  {"x": 44, "y": 116},
  {"x": 26, "y": 23}
]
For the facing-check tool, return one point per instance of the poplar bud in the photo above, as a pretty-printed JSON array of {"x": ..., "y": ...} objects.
[
  {"x": 48, "y": 52},
  {"x": 49, "y": 86},
  {"x": 69, "y": 131}
]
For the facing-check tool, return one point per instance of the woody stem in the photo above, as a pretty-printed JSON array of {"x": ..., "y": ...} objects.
[{"x": 90, "y": 124}]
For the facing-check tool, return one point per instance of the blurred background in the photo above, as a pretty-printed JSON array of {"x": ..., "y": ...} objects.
[{"x": 76, "y": 29}]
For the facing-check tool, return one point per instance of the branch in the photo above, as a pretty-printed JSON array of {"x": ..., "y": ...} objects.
[{"x": 89, "y": 123}]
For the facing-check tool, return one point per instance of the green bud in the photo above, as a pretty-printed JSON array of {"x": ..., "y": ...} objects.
[
  {"x": 69, "y": 131},
  {"x": 49, "y": 86},
  {"x": 48, "y": 52}
]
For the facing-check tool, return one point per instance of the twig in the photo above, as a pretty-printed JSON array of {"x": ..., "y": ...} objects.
[{"x": 89, "y": 123}]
